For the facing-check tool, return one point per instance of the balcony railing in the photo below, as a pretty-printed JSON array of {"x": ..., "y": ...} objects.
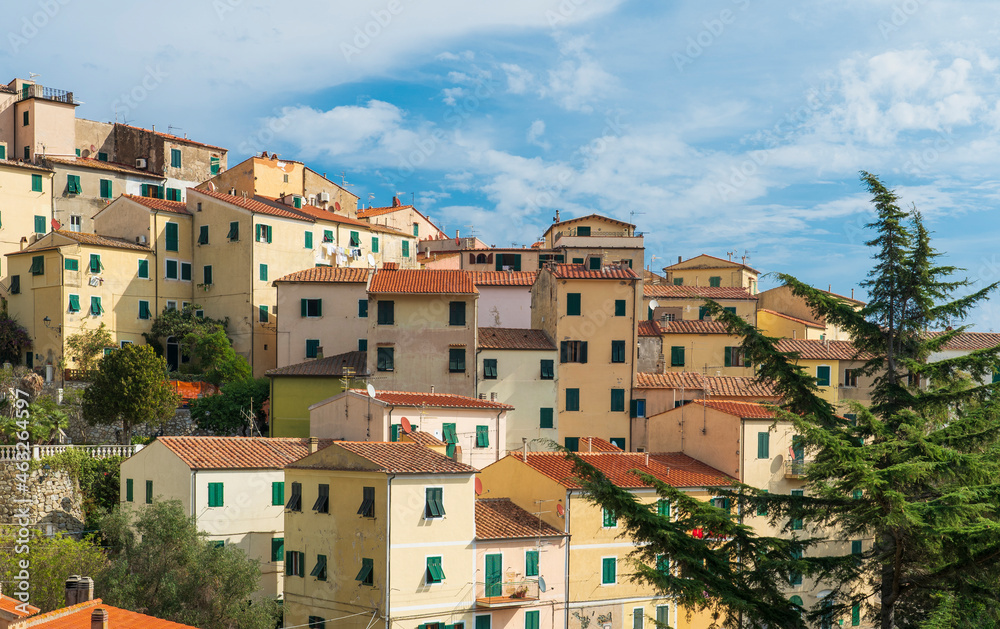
[
  {"x": 13, "y": 453},
  {"x": 572, "y": 233},
  {"x": 506, "y": 593},
  {"x": 796, "y": 468},
  {"x": 46, "y": 93}
]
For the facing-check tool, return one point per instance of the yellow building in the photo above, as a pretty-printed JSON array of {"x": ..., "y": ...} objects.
[
  {"x": 835, "y": 365},
  {"x": 788, "y": 316},
  {"x": 704, "y": 346},
  {"x": 404, "y": 218},
  {"x": 379, "y": 534},
  {"x": 599, "y": 588},
  {"x": 687, "y": 303},
  {"x": 27, "y": 211},
  {"x": 294, "y": 388},
  {"x": 777, "y": 324},
  {"x": 591, "y": 315},
  {"x": 66, "y": 282},
  {"x": 594, "y": 241},
  {"x": 706, "y": 270}
]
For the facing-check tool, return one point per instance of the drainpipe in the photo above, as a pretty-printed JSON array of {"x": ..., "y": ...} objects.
[
  {"x": 566, "y": 569},
  {"x": 496, "y": 456},
  {"x": 388, "y": 545},
  {"x": 253, "y": 327},
  {"x": 62, "y": 322}
]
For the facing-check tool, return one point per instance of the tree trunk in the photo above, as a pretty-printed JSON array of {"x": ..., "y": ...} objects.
[{"x": 887, "y": 595}]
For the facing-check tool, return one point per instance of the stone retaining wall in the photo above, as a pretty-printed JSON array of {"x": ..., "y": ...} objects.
[{"x": 52, "y": 498}]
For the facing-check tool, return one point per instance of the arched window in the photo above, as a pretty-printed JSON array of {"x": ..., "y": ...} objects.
[{"x": 481, "y": 258}]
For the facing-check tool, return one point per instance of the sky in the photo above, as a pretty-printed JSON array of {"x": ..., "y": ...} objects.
[{"x": 719, "y": 126}]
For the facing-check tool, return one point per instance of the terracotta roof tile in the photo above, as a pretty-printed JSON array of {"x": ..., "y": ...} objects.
[
  {"x": 379, "y": 211},
  {"x": 227, "y": 453},
  {"x": 83, "y": 238},
  {"x": 589, "y": 216},
  {"x": 10, "y": 605},
  {"x": 725, "y": 264},
  {"x": 649, "y": 328},
  {"x": 24, "y": 165},
  {"x": 744, "y": 410},
  {"x": 671, "y": 291},
  {"x": 580, "y": 272},
  {"x": 328, "y": 274},
  {"x": 821, "y": 350},
  {"x": 499, "y": 518},
  {"x": 399, "y": 457},
  {"x": 162, "y": 205},
  {"x": 422, "y": 281},
  {"x": 503, "y": 278},
  {"x": 514, "y": 338},
  {"x": 329, "y": 215},
  {"x": 726, "y": 386},
  {"x": 970, "y": 340},
  {"x": 695, "y": 326},
  {"x": 812, "y": 324},
  {"x": 89, "y": 162},
  {"x": 596, "y": 444},
  {"x": 434, "y": 400},
  {"x": 421, "y": 437},
  {"x": 78, "y": 617},
  {"x": 353, "y": 363},
  {"x": 675, "y": 469},
  {"x": 255, "y": 206}
]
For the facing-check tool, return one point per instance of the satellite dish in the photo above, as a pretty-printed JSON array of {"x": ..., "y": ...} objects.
[
  {"x": 371, "y": 391},
  {"x": 93, "y": 149},
  {"x": 541, "y": 584},
  {"x": 653, "y": 304},
  {"x": 211, "y": 187},
  {"x": 437, "y": 435},
  {"x": 407, "y": 428},
  {"x": 371, "y": 260},
  {"x": 336, "y": 204},
  {"x": 479, "y": 490},
  {"x": 561, "y": 510}
]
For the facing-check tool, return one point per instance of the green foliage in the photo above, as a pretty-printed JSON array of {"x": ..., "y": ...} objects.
[
  {"x": 14, "y": 339},
  {"x": 52, "y": 561},
  {"x": 219, "y": 361},
  {"x": 203, "y": 339},
  {"x": 130, "y": 388},
  {"x": 47, "y": 419},
  {"x": 224, "y": 413},
  {"x": 86, "y": 347},
  {"x": 162, "y": 566},
  {"x": 41, "y": 427},
  {"x": 98, "y": 480}
]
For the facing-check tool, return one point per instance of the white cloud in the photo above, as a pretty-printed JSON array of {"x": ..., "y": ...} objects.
[
  {"x": 519, "y": 80},
  {"x": 535, "y": 132},
  {"x": 451, "y": 94},
  {"x": 577, "y": 81}
]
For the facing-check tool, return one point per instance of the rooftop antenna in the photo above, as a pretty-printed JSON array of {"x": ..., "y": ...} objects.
[
  {"x": 472, "y": 230},
  {"x": 171, "y": 127},
  {"x": 343, "y": 179},
  {"x": 371, "y": 195},
  {"x": 632, "y": 214},
  {"x": 33, "y": 75}
]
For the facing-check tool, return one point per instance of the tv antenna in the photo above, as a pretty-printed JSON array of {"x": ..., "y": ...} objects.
[
  {"x": 632, "y": 214},
  {"x": 371, "y": 195},
  {"x": 33, "y": 75},
  {"x": 343, "y": 179},
  {"x": 171, "y": 127}
]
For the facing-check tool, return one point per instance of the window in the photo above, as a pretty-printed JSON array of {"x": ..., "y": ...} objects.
[
  {"x": 678, "y": 281},
  {"x": 406, "y": 248},
  {"x": 619, "y": 307},
  {"x": 262, "y": 314},
  {"x": 663, "y": 615},
  {"x": 309, "y": 240},
  {"x": 95, "y": 263},
  {"x": 71, "y": 264},
  {"x": 595, "y": 263},
  {"x": 36, "y": 184},
  {"x": 295, "y": 502},
  {"x": 795, "y": 578},
  {"x": 637, "y": 618},
  {"x": 203, "y": 235},
  {"x": 327, "y": 235},
  {"x": 312, "y": 348},
  {"x": 715, "y": 281},
  {"x": 762, "y": 506},
  {"x": 106, "y": 189},
  {"x": 206, "y": 272},
  {"x": 385, "y": 359},
  {"x": 572, "y": 444},
  {"x": 15, "y": 284},
  {"x": 573, "y": 304},
  {"x": 797, "y": 524},
  {"x": 186, "y": 271},
  {"x": 277, "y": 549},
  {"x": 214, "y": 165},
  {"x": 374, "y": 244},
  {"x": 572, "y": 399},
  {"x": 366, "y": 576},
  {"x": 27, "y": 154},
  {"x": 75, "y": 223},
  {"x": 609, "y": 567},
  {"x": 548, "y": 369},
  {"x": 484, "y": 621},
  {"x": 174, "y": 194},
  {"x": 416, "y": 230},
  {"x": 95, "y": 307},
  {"x": 39, "y": 224},
  {"x": 763, "y": 445},
  {"x": 277, "y": 493},
  {"x": 171, "y": 270},
  {"x": 322, "y": 504},
  {"x": 128, "y": 489},
  {"x": 610, "y": 519},
  {"x": 73, "y": 184},
  {"x": 102, "y": 156},
  {"x": 456, "y": 313},
  {"x": 143, "y": 271},
  {"x": 482, "y": 436},
  {"x": 511, "y": 261},
  {"x": 171, "y": 305},
  {"x": 489, "y": 369},
  {"x": 74, "y": 303},
  {"x": 362, "y": 308},
  {"x": 677, "y": 356},
  {"x": 663, "y": 508},
  {"x": 434, "y": 573},
  {"x": 531, "y": 619},
  {"x": 171, "y": 236},
  {"x": 319, "y": 570},
  {"x": 215, "y": 491},
  {"x": 450, "y": 436},
  {"x": 434, "y": 505},
  {"x": 175, "y": 158},
  {"x": 295, "y": 564},
  {"x": 545, "y": 418},
  {"x": 263, "y": 272},
  {"x": 617, "y": 351},
  {"x": 263, "y": 233},
  {"x": 310, "y": 307},
  {"x": 149, "y": 492},
  {"x": 367, "y": 508},
  {"x": 702, "y": 313},
  {"x": 362, "y": 345},
  {"x": 638, "y": 408},
  {"x": 531, "y": 563},
  {"x": 355, "y": 239},
  {"x": 151, "y": 191},
  {"x": 456, "y": 360},
  {"x": 617, "y": 400},
  {"x": 855, "y": 615},
  {"x": 823, "y": 376},
  {"x": 851, "y": 378},
  {"x": 386, "y": 312},
  {"x": 573, "y": 351},
  {"x": 234, "y": 231},
  {"x": 3, "y": 151}
]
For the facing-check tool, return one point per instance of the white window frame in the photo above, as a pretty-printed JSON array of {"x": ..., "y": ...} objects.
[
  {"x": 171, "y": 304},
  {"x": 615, "y": 582},
  {"x": 75, "y": 223}
]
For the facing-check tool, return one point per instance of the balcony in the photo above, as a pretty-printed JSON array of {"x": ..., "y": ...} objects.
[
  {"x": 45, "y": 93},
  {"x": 796, "y": 468},
  {"x": 506, "y": 594},
  {"x": 610, "y": 240}
]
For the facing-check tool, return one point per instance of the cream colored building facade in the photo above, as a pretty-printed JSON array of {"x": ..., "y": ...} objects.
[
  {"x": 706, "y": 270},
  {"x": 27, "y": 211}
]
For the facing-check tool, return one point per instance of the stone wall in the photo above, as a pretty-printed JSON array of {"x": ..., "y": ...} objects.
[{"x": 53, "y": 499}]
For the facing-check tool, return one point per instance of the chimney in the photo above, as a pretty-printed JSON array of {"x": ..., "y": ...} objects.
[
  {"x": 524, "y": 448},
  {"x": 458, "y": 235},
  {"x": 493, "y": 396},
  {"x": 79, "y": 589},
  {"x": 99, "y": 619},
  {"x": 313, "y": 444},
  {"x": 678, "y": 259},
  {"x": 647, "y": 459},
  {"x": 263, "y": 154},
  {"x": 319, "y": 353},
  {"x": 432, "y": 388},
  {"x": 395, "y": 202},
  {"x": 590, "y": 444}
]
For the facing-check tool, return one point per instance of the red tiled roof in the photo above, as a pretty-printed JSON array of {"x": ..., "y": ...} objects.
[
  {"x": 327, "y": 274},
  {"x": 499, "y": 518},
  {"x": 399, "y": 457},
  {"x": 227, "y": 453},
  {"x": 89, "y": 162},
  {"x": 174, "y": 138},
  {"x": 596, "y": 444},
  {"x": 649, "y": 328},
  {"x": 744, "y": 410},
  {"x": 82, "y": 238},
  {"x": 694, "y": 326},
  {"x": 589, "y": 216},
  {"x": 671, "y": 291},
  {"x": 726, "y": 263},
  {"x": 727, "y": 386},
  {"x": 580, "y": 272},
  {"x": 422, "y": 281},
  {"x": 970, "y": 340},
  {"x": 675, "y": 469},
  {"x": 161, "y": 205},
  {"x": 25, "y": 165},
  {"x": 379, "y": 211},
  {"x": 328, "y": 215},
  {"x": 78, "y": 617},
  {"x": 434, "y": 400},
  {"x": 10, "y": 605},
  {"x": 252, "y": 205},
  {"x": 421, "y": 437},
  {"x": 503, "y": 278},
  {"x": 353, "y": 363},
  {"x": 514, "y": 338},
  {"x": 812, "y": 324},
  {"x": 821, "y": 350}
]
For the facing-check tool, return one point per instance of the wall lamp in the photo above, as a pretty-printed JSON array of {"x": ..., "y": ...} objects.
[{"x": 48, "y": 323}]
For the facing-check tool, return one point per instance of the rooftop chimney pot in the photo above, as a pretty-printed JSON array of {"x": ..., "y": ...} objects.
[
  {"x": 99, "y": 619},
  {"x": 313, "y": 444}
]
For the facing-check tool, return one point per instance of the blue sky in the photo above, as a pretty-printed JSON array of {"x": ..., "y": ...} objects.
[{"x": 716, "y": 126}]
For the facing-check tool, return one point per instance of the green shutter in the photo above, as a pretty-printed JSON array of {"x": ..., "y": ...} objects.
[
  {"x": 263, "y": 272},
  {"x": 71, "y": 264},
  {"x": 484, "y": 621},
  {"x": 74, "y": 303},
  {"x": 545, "y": 418},
  {"x": 727, "y": 353},
  {"x": 171, "y": 269},
  {"x": 619, "y": 307},
  {"x": 355, "y": 239},
  {"x": 531, "y": 563},
  {"x": 617, "y": 351},
  {"x": 234, "y": 231},
  {"x": 278, "y": 493},
  {"x": 482, "y": 436},
  {"x": 106, "y": 189},
  {"x": 823, "y": 376},
  {"x": 406, "y": 248},
  {"x": 572, "y": 399},
  {"x": 362, "y": 308},
  {"x": 73, "y": 184},
  {"x": 144, "y": 310},
  {"x": 175, "y": 158},
  {"x": 128, "y": 489},
  {"x": 572, "y": 444},
  {"x": 663, "y": 508},
  {"x": 394, "y": 430},
  {"x": 149, "y": 492},
  {"x": 207, "y": 276},
  {"x": 610, "y": 520},
  {"x": 203, "y": 235},
  {"x": 262, "y": 314},
  {"x": 715, "y": 281},
  {"x": 37, "y": 265},
  {"x": 374, "y": 244},
  {"x": 531, "y": 619},
  {"x": 309, "y": 240},
  {"x": 95, "y": 306},
  {"x": 278, "y": 549},
  {"x": 215, "y": 494},
  {"x": 548, "y": 369},
  {"x": 797, "y": 524},
  {"x": 763, "y": 445},
  {"x": 677, "y": 356},
  {"x": 143, "y": 272},
  {"x": 312, "y": 348},
  {"x": 40, "y": 225},
  {"x": 617, "y": 400},
  {"x": 214, "y": 165},
  {"x": 36, "y": 183},
  {"x": 856, "y": 548},
  {"x": 95, "y": 263},
  {"x": 855, "y": 615},
  {"x": 573, "y": 307},
  {"x": 762, "y": 506},
  {"x": 171, "y": 235},
  {"x": 608, "y": 569}
]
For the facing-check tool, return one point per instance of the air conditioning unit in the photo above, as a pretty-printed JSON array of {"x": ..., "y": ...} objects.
[
  {"x": 140, "y": 239},
  {"x": 324, "y": 197},
  {"x": 140, "y": 162}
]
